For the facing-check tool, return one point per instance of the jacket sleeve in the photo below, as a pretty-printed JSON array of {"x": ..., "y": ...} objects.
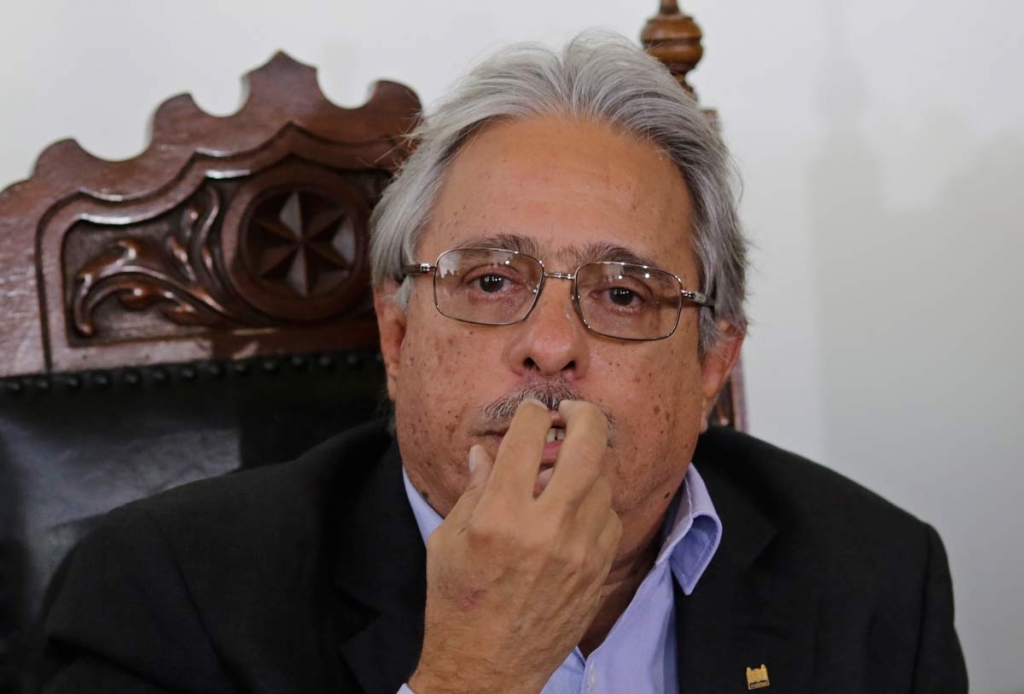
[
  {"x": 940, "y": 666},
  {"x": 123, "y": 621}
]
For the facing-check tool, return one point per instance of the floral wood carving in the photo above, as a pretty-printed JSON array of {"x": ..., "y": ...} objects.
[
  {"x": 289, "y": 248},
  {"x": 140, "y": 274},
  {"x": 228, "y": 236}
]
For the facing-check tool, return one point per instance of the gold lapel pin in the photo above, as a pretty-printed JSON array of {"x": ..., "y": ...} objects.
[{"x": 757, "y": 677}]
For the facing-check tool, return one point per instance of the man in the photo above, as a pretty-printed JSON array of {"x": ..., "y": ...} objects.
[{"x": 559, "y": 283}]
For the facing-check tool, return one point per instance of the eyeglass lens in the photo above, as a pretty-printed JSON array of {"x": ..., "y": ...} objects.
[{"x": 496, "y": 287}]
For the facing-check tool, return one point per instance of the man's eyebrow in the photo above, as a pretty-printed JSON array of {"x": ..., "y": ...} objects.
[
  {"x": 590, "y": 253},
  {"x": 610, "y": 252},
  {"x": 512, "y": 242}
]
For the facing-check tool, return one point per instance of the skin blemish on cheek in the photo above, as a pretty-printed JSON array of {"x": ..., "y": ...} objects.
[
  {"x": 657, "y": 409},
  {"x": 668, "y": 494},
  {"x": 470, "y": 598}
]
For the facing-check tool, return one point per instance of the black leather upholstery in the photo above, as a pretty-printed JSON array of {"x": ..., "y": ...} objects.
[{"x": 72, "y": 447}]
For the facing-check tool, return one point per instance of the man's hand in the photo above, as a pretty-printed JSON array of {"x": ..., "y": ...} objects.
[{"x": 513, "y": 581}]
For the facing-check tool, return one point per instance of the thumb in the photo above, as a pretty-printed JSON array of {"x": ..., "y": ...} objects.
[{"x": 480, "y": 465}]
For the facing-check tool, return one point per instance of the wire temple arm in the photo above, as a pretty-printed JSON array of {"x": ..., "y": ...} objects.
[
  {"x": 417, "y": 269},
  {"x": 698, "y": 298}
]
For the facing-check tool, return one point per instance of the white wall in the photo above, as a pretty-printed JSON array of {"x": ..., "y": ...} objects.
[{"x": 882, "y": 144}]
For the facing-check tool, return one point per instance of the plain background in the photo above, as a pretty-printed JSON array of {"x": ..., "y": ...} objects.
[{"x": 882, "y": 147}]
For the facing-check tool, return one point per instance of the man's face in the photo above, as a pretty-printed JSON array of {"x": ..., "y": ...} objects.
[{"x": 567, "y": 192}]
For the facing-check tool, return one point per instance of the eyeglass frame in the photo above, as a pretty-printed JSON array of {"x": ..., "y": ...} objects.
[{"x": 698, "y": 299}]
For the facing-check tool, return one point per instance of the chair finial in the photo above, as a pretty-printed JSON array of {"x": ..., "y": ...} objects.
[{"x": 674, "y": 38}]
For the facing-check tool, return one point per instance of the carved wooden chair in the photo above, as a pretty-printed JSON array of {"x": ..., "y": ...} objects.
[{"x": 200, "y": 308}]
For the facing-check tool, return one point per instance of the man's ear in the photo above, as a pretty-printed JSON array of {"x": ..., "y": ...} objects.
[
  {"x": 717, "y": 365},
  {"x": 391, "y": 321}
]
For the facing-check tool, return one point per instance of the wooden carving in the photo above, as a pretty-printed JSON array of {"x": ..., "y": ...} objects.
[
  {"x": 226, "y": 237},
  {"x": 675, "y": 39}
]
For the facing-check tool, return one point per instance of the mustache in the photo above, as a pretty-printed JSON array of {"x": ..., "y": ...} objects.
[{"x": 498, "y": 413}]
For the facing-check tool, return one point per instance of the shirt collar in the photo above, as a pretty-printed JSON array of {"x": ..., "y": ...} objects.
[
  {"x": 689, "y": 543},
  {"x": 426, "y": 517},
  {"x": 694, "y": 534}
]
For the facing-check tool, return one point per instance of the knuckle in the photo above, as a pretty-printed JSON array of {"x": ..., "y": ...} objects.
[
  {"x": 580, "y": 559},
  {"x": 573, "y": 556},
  {"x": 479, "y": 532},
  {"x": 615, "y": 529},
  {"x": 490, "y": 531}
]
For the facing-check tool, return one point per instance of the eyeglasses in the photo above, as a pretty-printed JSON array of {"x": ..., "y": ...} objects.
[{"x": 495, "y": 286}]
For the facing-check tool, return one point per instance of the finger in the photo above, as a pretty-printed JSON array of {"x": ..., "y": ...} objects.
[
  {"x": 596, "y": 519},
  {"x": 480, "y": 465},
  {"x": 608, "y": 541},
  {"x": 588, "y": 516},
  {"x": 581, "y": 456},
  {"x": 518, "y": 460}
]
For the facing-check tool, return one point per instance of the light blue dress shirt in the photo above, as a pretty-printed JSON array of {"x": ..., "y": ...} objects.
[{"x": 639, "y": 653}]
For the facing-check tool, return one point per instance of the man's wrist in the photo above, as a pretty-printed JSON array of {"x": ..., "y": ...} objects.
[{"x": 426, "y": 681}]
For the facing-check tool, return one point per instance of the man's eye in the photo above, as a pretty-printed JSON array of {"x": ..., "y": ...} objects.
[
  {"x": 620, "y": 296},
  {"x": 491, "y": 283}
]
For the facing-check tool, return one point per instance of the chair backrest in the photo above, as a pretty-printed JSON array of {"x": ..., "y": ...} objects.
[
  {"x": 200, "y": 308},
  {"x": 226, "y": 237}
]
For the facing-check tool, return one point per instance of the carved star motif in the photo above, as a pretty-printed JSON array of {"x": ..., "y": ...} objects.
[{"x": 303, "y": 240}]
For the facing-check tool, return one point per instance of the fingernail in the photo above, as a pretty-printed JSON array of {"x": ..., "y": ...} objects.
[
  {"x": 474, "y": 458},
  {"x": 535, "y": 401}
]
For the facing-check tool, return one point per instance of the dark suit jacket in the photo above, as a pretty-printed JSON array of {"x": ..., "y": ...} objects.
[{"x": 310, "y": 577}]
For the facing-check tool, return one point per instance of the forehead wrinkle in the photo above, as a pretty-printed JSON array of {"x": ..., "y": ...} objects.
[
  {"x": 573, "y": 255},
  {"x": 511, "y": 242},
  {"x": 611, "y": 252}
]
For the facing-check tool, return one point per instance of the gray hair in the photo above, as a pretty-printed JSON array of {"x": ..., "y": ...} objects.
[{"x": 597, "y": 77}]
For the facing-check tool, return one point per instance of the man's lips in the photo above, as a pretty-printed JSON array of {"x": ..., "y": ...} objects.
[{"x": 548, "y": 455}]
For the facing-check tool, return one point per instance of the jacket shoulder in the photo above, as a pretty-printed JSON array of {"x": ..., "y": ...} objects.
[
  {"x": 831, "y": 515},
  {"x": 289, "y": 497},
  {"x": 232, "y": 566}
]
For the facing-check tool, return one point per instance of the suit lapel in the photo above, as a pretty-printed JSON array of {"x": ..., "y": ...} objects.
[
  {"x": 745, "y": 612},
  {"x": 380, "y": 577}
]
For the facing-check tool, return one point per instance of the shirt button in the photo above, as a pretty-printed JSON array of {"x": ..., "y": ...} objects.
[{"x": 592, "y": 680}]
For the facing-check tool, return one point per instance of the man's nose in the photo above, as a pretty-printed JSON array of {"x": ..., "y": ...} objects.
[{"x": 552, "y": 340}]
